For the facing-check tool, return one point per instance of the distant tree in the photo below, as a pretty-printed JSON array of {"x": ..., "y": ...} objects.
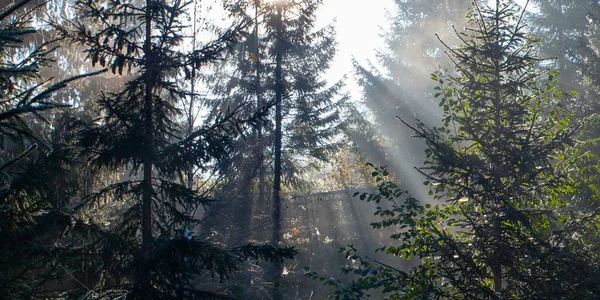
[
  {"x": 35, "y": 182},
  {"x": 507, "y": 163},
  {"x": 561, "y": 25},
  {"x": 146, "y": 248},
  {"x": 305, "y": 54},
  {"x": 281, "y": 64},
  {"x": 398, "y": 83},
  {"x": 571, "y": 39},
  {"x": 591, "y": 67}
]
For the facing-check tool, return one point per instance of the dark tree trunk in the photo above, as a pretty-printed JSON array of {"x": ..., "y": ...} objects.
[
  {"x": 259, "y": 104},
  {"x": 190, "y": 117},
  {"x": 277, "y": 167},
  {"x": 497, "y": 103},
  {"x": 148, "y": 159}
]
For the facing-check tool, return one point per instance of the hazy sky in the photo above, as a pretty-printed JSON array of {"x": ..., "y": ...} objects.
[{"x": 358, "y": 25}]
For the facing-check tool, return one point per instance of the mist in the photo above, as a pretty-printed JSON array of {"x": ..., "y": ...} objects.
[{"x": 293, "y": 149}]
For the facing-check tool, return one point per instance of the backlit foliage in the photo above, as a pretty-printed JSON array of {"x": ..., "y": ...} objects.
[{"x": 506, "y": 163}]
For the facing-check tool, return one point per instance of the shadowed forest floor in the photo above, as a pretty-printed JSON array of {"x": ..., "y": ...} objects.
[
  {"x": 318, "y": 225},
  {"x": 321, "y": 226}
]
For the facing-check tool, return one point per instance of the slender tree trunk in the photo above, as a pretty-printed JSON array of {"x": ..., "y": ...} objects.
[
  {"x": 497, "y": 263},
  {"x": 497, "y": 267},
  {"x": 259, "y": 134},
  {"x": 148, "y": 159},
  {"x": 278, "y": 140},
  {"x": 190, "y": 116}
]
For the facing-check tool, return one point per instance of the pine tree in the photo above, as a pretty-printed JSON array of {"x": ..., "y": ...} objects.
[
  {"x": 561, "y": 27},
  {"x": 147, "y": 249},
  {"x": 507, "y": 164},
  {"x": 306, "y": 55},
  {"x": 32, "y": 163},
  {"x": 590, "y": 68},
  {"x": 280, "y": 65}
]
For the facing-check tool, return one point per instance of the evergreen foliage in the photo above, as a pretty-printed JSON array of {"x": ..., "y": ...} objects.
[
  {"x": 560, "y": 26},
  {"x": 507, "y": 163},
  {"x": 280, "y": 64},
  {"x": 310, "y": 107},
  {"x": 146, "y": 248},
  {"x": 32, "y": 165},
  {"x": 590, "y": 68}
]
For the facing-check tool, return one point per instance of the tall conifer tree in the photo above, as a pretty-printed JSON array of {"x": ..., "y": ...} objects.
[
  {"x": 281, "y": 65},
  {"x": 33, "y": 163},
  {"x": 306, "y": 54},
  {"x": 561, "y": 26},
  {"x": 148, "y": 250},
  {"x": 507, "y": 164}
]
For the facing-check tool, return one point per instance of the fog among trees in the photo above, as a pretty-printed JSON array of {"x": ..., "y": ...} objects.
[{"x": 166, "y": 149}]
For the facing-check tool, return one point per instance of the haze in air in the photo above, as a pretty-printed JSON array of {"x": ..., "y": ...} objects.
[{"x": 299, "y": 149}]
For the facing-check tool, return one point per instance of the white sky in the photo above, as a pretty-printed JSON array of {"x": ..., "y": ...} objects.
[{"x": 358, "y": 25}]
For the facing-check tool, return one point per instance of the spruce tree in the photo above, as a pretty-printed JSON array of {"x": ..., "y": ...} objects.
[
  {"x": 561, "y": 25},
  {"x": 306, "y": 53},
  {"x": 148, "y": 249},
  {"x": 507, "y": 163},
  {"x": 33, "y": 163},
  {"x": 281, "y": 65},
  {"x": 590, "y": 67}
]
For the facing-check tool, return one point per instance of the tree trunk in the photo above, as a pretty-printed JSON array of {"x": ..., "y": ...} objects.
[
  {"x": 497, "y": 103},
  {"x": 148, "y": 159},
  {"x": 190, "y": 116},
  {"x": 277, "y": 167},
  {"x": 259, "y": 104}
]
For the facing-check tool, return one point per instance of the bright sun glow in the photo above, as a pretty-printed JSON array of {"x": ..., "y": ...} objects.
[{"x": 358, "y": 25}]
